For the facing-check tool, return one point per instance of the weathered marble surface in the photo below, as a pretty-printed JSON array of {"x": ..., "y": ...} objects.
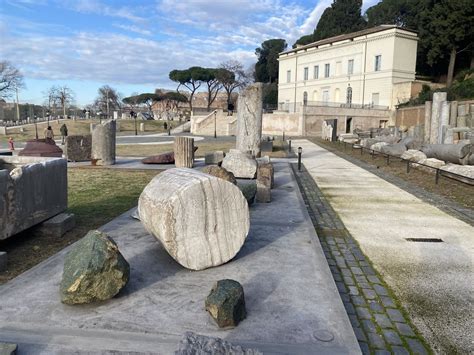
[
  {"x": 192, "y": 344},
  {"x": 219, "y": 172},
  {"x": 438, "y": 98},
  {"x": 426, "y": 136},
  {"x": 249, "y": 119},
  {"x": 201, "y": 220},
  {"x": 103, "y": 143},
  {"x": 78, "y": 148},
  {"x": 413, "y": 155},
  {"x": 240, "y": 164},
  {"x": 32, "y": 189}
]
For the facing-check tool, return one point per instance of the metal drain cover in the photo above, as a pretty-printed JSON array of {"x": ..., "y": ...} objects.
[{"x": 425, "y": 240}]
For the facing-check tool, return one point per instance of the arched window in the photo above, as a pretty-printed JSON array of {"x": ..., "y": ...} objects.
[
  {"x": 305, "y": 98},
  {"x": 349, "y": 95}
]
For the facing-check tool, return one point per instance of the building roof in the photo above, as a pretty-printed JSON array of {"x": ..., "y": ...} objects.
[{"x": 347, "y": 36}]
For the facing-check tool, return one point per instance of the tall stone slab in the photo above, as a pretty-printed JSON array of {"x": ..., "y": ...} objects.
[
  {"x": 443, "y": 121},
  {"x": 453, "y": 114},
  {"x": 103, "y": 143},
  {"x": 426, "y": 137},
  {"x": 184, "y": 152},
  {"x": 438, "y": 98},
  {"x": 249, "y": 120}
]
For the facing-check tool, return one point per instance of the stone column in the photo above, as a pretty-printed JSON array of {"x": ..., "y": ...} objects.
[
  {"x": 142, "y": 127},
  {"x": 426, "y": 138},
  {"x": 438, "y": 98},
  {"x": 249, "y": 120},
  {"x": 184, "y": 152},
  {"x": 454, "y": 114},
  {"x": 103, "y": 143},
  {"x": 444, "y": 121}
]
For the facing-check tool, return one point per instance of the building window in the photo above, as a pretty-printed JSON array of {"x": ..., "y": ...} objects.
[
  {"x": 350, "y": 67},
  {"x": 326, "y": 96},
  {"x": 375, "y": 99},
  {"x": 326, "y": 70},
  {"x": 378, "y": 62},
  {"x": 288, "y": 76},
  {"x": 316, "y": 72},
  {"x": 349, "y": 96},
  {"x": 305, "y": 98},
  {"x": 306, "y": 73}
]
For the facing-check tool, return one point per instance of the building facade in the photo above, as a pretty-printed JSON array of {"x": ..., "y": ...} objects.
[{"x": 372, "y": 68}]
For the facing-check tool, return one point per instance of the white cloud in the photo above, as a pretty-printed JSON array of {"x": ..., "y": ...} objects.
[
  {"x": 97, "y": 7},
  {"x": 133, "y": 28}
]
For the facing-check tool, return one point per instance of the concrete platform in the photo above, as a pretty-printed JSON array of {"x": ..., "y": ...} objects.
[
  {"x": 292, "y": 302},
  {"x": 433, "y": 281}
]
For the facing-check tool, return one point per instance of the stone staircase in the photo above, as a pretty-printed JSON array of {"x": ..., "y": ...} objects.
[{"x": 218, "y": 120}]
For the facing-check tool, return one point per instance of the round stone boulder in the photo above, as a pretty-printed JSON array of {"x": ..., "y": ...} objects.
[
  {"x": 226, "y": 303},
  {"x": 219, "y": 172},
  {"x": 94, "y": 270},
  {"x": 201, "y": 220}
]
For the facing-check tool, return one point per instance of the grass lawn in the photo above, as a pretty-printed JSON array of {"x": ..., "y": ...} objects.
[
  {"x": 80, "y": 127},
  {"x": 206, "y": 146},
  {"x": 95, "y": 196}
]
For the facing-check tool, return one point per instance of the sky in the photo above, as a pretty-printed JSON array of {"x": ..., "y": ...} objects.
[{"x": 132, "y": 45}]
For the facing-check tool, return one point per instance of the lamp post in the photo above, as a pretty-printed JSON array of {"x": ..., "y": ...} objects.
[
  {"x": 35, "y": 118},
  {"x": 99, "y": 115},
  {"x": 300, "y": 151},
  {"x": 134, "y": 116},
  {"x": 48, "y": 114},
  {"x": 215, "y": 124}
]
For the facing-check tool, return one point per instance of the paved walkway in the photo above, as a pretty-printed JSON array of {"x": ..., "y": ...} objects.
[{"x": 433, "y": 281}]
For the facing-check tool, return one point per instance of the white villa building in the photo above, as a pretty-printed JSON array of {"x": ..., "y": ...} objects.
[{"x": 372, "y": 68}]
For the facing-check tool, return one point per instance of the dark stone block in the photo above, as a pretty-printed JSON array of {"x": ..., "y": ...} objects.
[{"x": 226, "y": 303}]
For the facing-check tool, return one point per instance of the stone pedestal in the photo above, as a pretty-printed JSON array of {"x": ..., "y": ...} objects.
[
  {"x": 78, "y": 148},
  {"x": 438, "y": 98},
  {"x": 142, "y": 127},
  {"x": 184, "y": 152},
  {"x": 249, "y": 120},
  {"x": 103, "y": 143}
]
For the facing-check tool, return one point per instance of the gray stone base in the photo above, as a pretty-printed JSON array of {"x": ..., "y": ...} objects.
[
  {"x": 57, "y": 226},
  {"x": 3, "y": 260},
  {"x": 264, "y": 193},
  {"x": 8, "y": 349}
]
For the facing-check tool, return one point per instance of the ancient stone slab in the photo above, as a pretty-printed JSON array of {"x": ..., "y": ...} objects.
[
  {"x": 249, "y": 119},
  {"x": 249, "y": 190},
  {"x": 32, "y": 189},
  {"x": 413, "y": 155},
  {"x": 394, "y": 149},
  {"x": 201, "y": 220},
  {"x": 431, "y": 162},
  {"x": 219, "y": 172},
  {"x": 226, "y": 303},
  {"x": 164, "y": 158},
  {"x": 193, "y": 344},
  {"x": 453, "y": 114},
  {"x": 378, "y": 146},
  {"x": 463, "y": 170},
  {"x": 103, "y": 143},
  {"x": 264, "y": 193},
  {"x": 184, "y": 152},
  {"x": 438, "y": 98},
  {"x": 3, "y": 260},
  {"x": 214, "y": 158},
  {"x": 443, "y": 121},
  {"x": 263, "y": 160},
  {"x": 78, "y": 148},
  {"x": 41, "y": 148},
  {"x": 94, "y": 270},
  {"x": 265, "y": 175},
  {"x": 57, "y": 226},
  {"x": 8, "y": 348},
  {"x": 240, "y": 164},
  {"x": 427, "y": 133}
]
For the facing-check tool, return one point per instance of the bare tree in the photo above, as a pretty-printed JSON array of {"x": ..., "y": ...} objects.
[
  {"x": 11, "y": 79},
  {"x": 51, "y": 99},
  {"x": 232, "y": 76},
  {"x": 64, "y": 96},
  {"x": 108, "y": 99}
]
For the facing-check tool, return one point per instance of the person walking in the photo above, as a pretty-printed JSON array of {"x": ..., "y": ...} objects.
[
  {"x": 49, "y": 135},
  {"x": 63, "y": 131},
  {"x": 11, "y": 144}
]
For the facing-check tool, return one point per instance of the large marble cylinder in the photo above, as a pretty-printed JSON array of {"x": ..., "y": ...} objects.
[
  {"x": 443, "y": 121},
  {"x": 438, "y": 98},
  {"x": 249, "y": 119},
  {"x": 103, "y": 143}
]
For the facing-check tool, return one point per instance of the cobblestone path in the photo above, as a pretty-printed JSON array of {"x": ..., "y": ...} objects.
[{"x": 380, "y": 324}]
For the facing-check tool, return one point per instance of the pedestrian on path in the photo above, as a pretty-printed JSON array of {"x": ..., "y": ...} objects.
[
  {"x": 63, "y": 131},
  {"x": 11, "y": 144},
  {"x": 49, "y": 135}
]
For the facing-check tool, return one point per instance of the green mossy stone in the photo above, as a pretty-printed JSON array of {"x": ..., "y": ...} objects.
[
  {"x": 94, "y": 270},
  {"x": 226, "y": 303},
  {"x": 249, "y": 189}
]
